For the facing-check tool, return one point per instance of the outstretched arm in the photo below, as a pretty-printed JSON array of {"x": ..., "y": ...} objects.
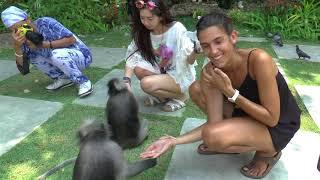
[{"x": 165, "y": 143}]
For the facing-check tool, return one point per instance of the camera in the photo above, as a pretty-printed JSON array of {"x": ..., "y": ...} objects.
[
  {"x": 24, "y": 29},
  {"x": 34, "y": 37}
]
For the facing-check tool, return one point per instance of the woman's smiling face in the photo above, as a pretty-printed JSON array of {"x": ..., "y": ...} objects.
[{"x": 217, "y": 45}]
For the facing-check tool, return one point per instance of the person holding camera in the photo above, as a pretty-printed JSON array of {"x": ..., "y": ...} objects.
[{"x": 51, "y": 48}]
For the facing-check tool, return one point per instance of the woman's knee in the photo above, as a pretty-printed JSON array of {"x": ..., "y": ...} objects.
[
  {"x": 195, "y": 92},
  {"x": 141, "y": 73},
  {"x": 58, "y": 54},
  {"x": 147, "y": 84},
  {"x": 214, "y": 137},
  {"x": 194, "y": 89}
]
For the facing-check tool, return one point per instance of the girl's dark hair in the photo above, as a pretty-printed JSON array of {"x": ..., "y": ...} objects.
[
  {"x": 215, "y": 19},
  {"x": 140, "y": 34}
]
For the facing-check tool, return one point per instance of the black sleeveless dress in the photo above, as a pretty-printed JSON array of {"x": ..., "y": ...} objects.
[{"x": 289, "y": 121}]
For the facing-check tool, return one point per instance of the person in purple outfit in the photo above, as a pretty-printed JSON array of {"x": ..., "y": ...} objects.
[{"x": 60, "y": 54}]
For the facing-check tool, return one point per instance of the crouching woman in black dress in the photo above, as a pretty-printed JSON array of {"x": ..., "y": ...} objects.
[{"x": 246, "y": 99}]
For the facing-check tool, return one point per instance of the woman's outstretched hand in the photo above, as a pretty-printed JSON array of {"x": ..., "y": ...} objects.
[{"x": 159, "y": 147}]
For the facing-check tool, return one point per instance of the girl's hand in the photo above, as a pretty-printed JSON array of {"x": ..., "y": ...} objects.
[
  {"x": 18, "y": 38},
  {"x": 156, "y": 52},
  {"x": 159, "y": 147},
  {"x": 215, "y": 77},
  {"x": 206, "y": 78},
  {"x": 128, "y": 85},
  {"x": 223, "y": 82}
]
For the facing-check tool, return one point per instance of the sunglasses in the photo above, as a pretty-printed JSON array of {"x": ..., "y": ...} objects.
[{"x": 141, "y": 4}]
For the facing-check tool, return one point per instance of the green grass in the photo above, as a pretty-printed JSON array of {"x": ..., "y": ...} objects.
[
  {"x": 302, "y": 73},
  {"x": 56, "y": 139},
  {"x": 6, "y": 54}
]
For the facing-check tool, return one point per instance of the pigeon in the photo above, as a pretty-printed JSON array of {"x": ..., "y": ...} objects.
[
  {"x": 269, "y": 35},
  {"x": 301, "y": 53},
  {"x": 277, "y": 39}
]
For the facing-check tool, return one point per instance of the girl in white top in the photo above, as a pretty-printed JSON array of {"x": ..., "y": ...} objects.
[{"x": 160, "y": 55}]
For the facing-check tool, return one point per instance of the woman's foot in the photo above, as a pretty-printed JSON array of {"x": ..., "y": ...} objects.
[{"x": 260, "y": 166}]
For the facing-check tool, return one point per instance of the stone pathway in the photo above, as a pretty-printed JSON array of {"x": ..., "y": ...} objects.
[
  {"x": 311, "y": 99},
  {"x": 99, "y": 97},
  {"x": 20, "y": 117},
  {"x": 7, "y": 69},
  {"x": 288, "y": 51},
  {"x": 252, "y": 39},
  {"x": 299, "y": 160},
  {"x": 107, "y": 57}
]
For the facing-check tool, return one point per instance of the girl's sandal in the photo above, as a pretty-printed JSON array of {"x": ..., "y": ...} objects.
[
  {"x": 270, "y": 161},
  {"x": 173, "y": 105}
]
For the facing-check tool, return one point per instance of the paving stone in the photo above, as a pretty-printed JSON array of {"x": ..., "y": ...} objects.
[
  {"x": 99, "y": 96},
  {"x": 20, "y": 116},
  {"x": 298, "y": 161},
  {"x": 288, "y": 51},
  {"x": 311, "y": 99},
  {"x": 252, "y": 39},
  {"x": 7, "y": 69},
  {"x": 107, "y": 57}
]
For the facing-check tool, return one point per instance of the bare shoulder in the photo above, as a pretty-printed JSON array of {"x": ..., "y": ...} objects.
[{"x": 261, "y": 62}]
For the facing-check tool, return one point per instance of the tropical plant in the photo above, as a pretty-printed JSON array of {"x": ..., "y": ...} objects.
[
  {"x": 305, "y": 20},
  {"x": 294, "y": 21},
  {"x": 81, "y": 16}
]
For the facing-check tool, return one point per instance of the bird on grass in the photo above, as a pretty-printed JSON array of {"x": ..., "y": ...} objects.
[
  {"x": 277, "y": 39},
  {"x": 302, "y": 54}
]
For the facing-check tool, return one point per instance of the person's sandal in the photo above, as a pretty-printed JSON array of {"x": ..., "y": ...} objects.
[
  {"x": 201, "y": 150},
  {"x": 270, "y": 161},
  {"x": 173, "y": 105}
]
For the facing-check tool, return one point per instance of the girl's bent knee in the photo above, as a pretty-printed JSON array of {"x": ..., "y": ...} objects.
[
  {"x": 194, "y": 90},
  {"x": 147, "y": 84},
  {"x": 212, "y": 137}
]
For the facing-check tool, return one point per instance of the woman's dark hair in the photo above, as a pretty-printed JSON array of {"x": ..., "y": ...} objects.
[
  {"x": 140, "y": 33},
  {"x": 215, "y": 19}
]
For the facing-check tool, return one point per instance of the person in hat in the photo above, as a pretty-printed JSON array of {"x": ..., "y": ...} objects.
[{"x": 51, "y": 48}]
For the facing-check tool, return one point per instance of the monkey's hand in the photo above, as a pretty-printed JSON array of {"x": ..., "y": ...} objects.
[{"x": 159, "y": 147}]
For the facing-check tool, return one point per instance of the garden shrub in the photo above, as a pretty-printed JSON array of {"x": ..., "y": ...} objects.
[
  {"x": 298, "y": 20},
  {"x": 85, "y": 16}
]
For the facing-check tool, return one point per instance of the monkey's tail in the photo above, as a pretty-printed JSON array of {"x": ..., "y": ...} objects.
[
  {"x": 56, "y": 168},
  {"x": 139, "y": 166}
]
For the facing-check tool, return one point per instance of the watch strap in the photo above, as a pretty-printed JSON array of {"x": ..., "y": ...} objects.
[{"x": 234, "y": 97}]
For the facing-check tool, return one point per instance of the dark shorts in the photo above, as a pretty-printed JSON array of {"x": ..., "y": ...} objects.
[{"x": 282, "y": 133}]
